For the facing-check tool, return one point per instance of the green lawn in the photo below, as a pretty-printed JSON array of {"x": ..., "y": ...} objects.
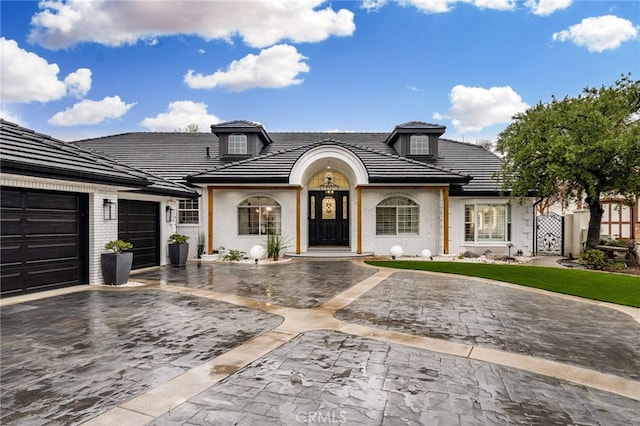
[{"x": 615, "y": 288}]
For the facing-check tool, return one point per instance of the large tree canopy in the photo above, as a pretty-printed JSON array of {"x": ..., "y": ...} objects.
[{"x": 583, "y": 147}]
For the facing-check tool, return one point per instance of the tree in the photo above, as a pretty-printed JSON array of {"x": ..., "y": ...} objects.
[
  {"x": 191, "y": 128},
  {"x": 586, "y": 146}
]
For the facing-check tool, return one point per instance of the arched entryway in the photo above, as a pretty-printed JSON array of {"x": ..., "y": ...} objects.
[
  {"x": 309, "y": 173},
  {"x": 329, "y": 212}
]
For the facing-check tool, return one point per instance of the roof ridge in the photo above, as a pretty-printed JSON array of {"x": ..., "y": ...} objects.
[
  {"x": 409, "y": 160},
  {"x": 258, "y": 157}
]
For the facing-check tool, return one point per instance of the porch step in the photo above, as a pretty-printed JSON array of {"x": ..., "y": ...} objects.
[{"x": 328, "y": 252}]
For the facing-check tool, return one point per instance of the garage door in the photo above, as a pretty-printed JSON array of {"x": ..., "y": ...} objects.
[
  {"x": 138, "y": 223},
  {"x": 43, "y": 240}
]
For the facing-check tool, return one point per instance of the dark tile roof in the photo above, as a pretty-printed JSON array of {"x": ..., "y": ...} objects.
[
  {"x": 26, "y": 152},
  {"x": 275, "y": 167},
  {"x": 182, "y": 158},
  {"x": 170, "y": 155}
]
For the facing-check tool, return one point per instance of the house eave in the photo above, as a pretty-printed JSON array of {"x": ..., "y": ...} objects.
[{"x": 76, "y": 176}]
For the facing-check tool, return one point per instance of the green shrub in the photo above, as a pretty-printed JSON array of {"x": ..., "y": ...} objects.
[
  {"x": 178, "y": 239},
  {"x": 275, "y": 244},
  {"x": 117, "y": 246},
  {"x": 592, "y": 259},
  {"x": 618, "y": 266},
  {"x": 235, "y": 255}
]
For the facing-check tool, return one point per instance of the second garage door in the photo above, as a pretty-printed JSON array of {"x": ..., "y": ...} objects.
[{"x": 139, "y": 224}]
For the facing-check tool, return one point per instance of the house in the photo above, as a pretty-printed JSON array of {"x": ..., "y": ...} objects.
[
  {"x": 61, "y": 203},
  {"x": 353, "y": 193}
]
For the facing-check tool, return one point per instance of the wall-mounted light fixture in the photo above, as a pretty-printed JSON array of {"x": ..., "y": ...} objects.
[
  {"x": 109, "y": 209},
  {"x": 169, "y": 214}
]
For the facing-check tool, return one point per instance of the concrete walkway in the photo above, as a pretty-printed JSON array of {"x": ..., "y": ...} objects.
[{"x": 374, "y": 346}]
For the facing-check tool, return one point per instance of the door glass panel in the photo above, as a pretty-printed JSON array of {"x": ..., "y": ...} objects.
[
  {"x": 312, "y": 207},
  {"x": 328, "y": 208},
  {"x": 345, "y": 214}
]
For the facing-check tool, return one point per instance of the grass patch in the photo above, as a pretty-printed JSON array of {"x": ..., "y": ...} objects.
[{"x": 613, "y": 288}]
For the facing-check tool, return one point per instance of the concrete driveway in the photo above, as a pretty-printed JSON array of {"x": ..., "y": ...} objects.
[{"x": 315, "y": 342}]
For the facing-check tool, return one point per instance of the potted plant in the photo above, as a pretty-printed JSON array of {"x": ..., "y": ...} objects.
[
  {"x": 116, "y": 265},
  {"x": 275, "y": 245},
  {"x": 178, "y": 249}
]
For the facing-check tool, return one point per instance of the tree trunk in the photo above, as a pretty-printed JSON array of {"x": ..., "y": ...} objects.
[{"x": 595, "y": 220}]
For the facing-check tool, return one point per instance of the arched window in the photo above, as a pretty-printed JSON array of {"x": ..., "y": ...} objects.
[
  {"x": 337, "y": 178},
  {"x": 237, "y": 144},
  {"x": 259, "y": 216},
  {"x": 397, "y": 215},
  {"x": 419, "y": 145}
]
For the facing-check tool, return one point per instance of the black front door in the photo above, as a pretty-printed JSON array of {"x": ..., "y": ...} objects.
[{"x": 328, "y": 218}]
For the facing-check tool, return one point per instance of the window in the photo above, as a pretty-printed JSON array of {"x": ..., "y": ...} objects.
[
  {"x": 419, "y": 145},
  {"x": 396, "y": 215},
  {"x": 188, "y": 212},
  {"x": 237, "y": 144},
  {"x": 328, "y": 208},
  {"x": 259, "y": 216},
  {"x": 487, "y": 223}
]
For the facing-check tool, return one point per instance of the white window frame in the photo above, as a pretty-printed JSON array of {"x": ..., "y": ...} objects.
[
  {"x": 189, "y": 212},
  {"x": 482, "y": 221},
  {"x": 419, "y": 144},
  {"x": 397, "y": 215},
  {"x": 259, "y": 215},
  {"x": 237, "y": 144}
]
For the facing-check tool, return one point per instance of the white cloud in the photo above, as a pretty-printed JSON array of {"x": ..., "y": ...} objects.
[
  {"x": 599, "y": 33},
  {"x": 179, "y": 115},
  {"x": 91, "y": 112},
  {"x": 441, "y": 6},
  {"x": 372, "y": 5},
  {"x": 114, "y": 23},
  {"x": 10, "y": 116},
  {"x": 476, "y": 108},
  {"x": 78, "y": 83},
  {"x": 26, "y": 77},
  {"x": 546, "y": 7},
  {"x": 277, "y": 66}
]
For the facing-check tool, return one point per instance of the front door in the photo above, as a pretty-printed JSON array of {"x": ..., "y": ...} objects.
[{"x": 328, "y": 218}]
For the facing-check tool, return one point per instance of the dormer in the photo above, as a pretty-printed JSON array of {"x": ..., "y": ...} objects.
[
  {"x": 240, "y": 139},
  {"x": 416, "y": 139}
]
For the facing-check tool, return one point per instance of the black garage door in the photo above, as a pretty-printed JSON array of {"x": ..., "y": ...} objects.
[
  {"x": 43, "y": 240},
  {"x": 138, "y": 223}
]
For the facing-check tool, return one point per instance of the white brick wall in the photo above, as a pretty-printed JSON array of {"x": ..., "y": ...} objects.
[
  {"x": 430, "y": 225},
  {"x": 225, "y": 218},
  {"x": 521, "y": 227}
]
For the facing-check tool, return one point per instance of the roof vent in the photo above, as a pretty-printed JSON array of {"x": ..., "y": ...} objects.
[{"x": 208, "y": 156}]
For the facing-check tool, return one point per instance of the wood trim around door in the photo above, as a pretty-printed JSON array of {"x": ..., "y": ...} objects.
[
  {"x": 359, "y": 219},
  {"x": 298, "y": 224},
  {"x": 210, "y": 218},
  {"x": 445, "y": 219}
]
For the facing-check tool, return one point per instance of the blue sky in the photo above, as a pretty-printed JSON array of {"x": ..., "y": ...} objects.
[{"x": 79, "y": 69}]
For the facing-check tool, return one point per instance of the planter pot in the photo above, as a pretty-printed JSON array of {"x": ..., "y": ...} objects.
[
  {"x": 116, "y": 267},
  {"x": 178, "y": 254},
  {"x": 200, "y": 250}
]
